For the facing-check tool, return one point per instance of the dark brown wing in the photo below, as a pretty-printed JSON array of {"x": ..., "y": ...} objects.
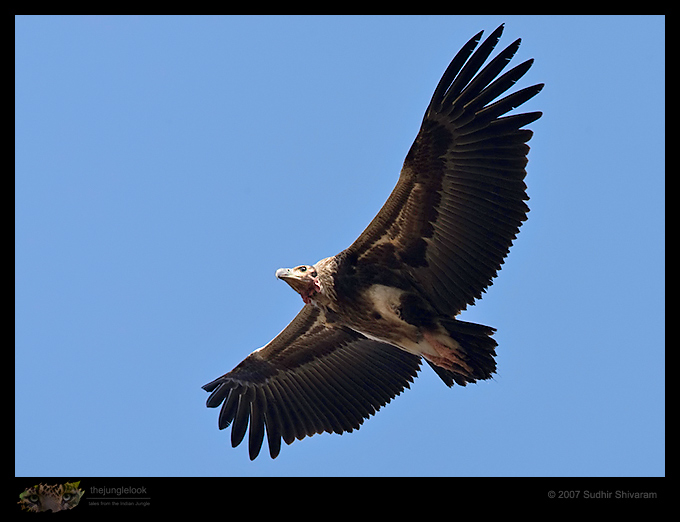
[
  {"x": 309, "y": 379},
  {"x": 459, "y": 202}
]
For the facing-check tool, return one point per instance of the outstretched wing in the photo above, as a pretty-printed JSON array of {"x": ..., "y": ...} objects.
[
  {"x": 310, "y": 378},
  {"x": 459, "y": 201}
]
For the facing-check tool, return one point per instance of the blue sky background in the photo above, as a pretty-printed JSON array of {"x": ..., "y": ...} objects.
[{"x": 167, "y": 166}]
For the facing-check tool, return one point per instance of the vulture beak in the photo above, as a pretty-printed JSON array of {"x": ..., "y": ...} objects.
[
  {"x": 282, "y": 273},
  {"x": 296, "y": 281}
]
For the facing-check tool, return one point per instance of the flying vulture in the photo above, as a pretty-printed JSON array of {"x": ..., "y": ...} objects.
[{"x": 375, "y": 309}]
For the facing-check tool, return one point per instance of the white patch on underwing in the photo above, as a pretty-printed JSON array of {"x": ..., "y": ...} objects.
[{"x": 385, "y": 300}]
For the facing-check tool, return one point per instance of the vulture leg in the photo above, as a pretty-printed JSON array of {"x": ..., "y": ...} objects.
[{"x": 446, "y": 357}]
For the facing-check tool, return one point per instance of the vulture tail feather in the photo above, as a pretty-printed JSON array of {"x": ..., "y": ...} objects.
[{"x": 478, "y": 350}]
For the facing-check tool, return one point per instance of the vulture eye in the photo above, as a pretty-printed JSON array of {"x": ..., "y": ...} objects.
[{"x": 302, "y": 269}]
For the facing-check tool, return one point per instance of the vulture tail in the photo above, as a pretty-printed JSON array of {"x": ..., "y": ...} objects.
[{"x": 477, "y": 351}]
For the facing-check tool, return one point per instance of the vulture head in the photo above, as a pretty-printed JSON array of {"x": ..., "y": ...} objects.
[{"x": 304, "y": 279}]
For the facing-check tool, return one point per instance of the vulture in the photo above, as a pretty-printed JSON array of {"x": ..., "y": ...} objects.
[{"x": 372, "y": 312}]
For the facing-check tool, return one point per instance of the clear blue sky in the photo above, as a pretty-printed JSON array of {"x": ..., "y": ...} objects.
[{"x": 167, "y": 166}]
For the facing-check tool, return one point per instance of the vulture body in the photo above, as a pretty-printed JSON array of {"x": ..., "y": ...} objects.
[{"x": 376, "y": 309}]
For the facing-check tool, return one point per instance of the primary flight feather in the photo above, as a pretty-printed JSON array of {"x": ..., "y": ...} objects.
[{"x": 374, "y": 310}]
